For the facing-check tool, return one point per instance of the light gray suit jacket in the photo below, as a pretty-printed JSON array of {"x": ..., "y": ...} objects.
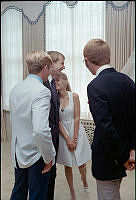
[{"x": 29, "y": 103}]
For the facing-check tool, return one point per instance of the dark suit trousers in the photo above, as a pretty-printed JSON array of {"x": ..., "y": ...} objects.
[
  {"x": 31, "y": 179},
  {"x": 51, "y": 186}
]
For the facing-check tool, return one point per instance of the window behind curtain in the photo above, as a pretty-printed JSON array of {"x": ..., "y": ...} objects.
[
  {"x": 11, "y": 52},
  {"x": 68, "y": 30}
]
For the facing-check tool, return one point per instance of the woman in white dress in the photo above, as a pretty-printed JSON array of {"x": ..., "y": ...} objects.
[{"x": 74, "y": 148}]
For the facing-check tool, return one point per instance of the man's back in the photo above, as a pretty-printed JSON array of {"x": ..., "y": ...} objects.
[
  {"x": 119, "y": 90},
  {"x": 112, "y": 101},
  {"x": 33, "y": 153},
  {"x": 26, "y": 119},
  {"x": 113, "y": 113}
]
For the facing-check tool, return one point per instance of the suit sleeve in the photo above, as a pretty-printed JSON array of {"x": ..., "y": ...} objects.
[
  {"x": 41, "y": 129},
  {"x": 108, "y": 134},
  {"x": 132, "y": 117}
]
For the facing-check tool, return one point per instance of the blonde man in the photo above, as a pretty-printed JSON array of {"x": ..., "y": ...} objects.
[
  {"x": 58, "y": 65},
  {"x": 58, "y": 60},
  {"x": 33, "y": 153},
  {"x": 112, "y": 100}
]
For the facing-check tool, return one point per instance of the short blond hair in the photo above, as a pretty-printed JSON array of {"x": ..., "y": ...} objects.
[
  {"x": 97, "y": 51},
  {"x": 55, "y": 55},
  {"x": 36, "y": 60}
]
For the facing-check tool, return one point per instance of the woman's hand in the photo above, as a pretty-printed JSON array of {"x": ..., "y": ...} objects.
[
  {"x": 70, "y": 144},
  {"x": 75, "y": 143}
]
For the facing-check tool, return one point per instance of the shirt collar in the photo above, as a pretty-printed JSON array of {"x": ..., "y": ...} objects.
[
  {"x": 102, "y": 68},
  {"x": 36, "y": 76},
  {"x": 50, "y": 78}
]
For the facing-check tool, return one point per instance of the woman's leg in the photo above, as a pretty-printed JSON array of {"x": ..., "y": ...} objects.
[
  {"x": 69, "y": 177},
  {"x": 82, "y": 170}
]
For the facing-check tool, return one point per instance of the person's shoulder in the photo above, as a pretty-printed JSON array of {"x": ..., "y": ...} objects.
[
  {"x": 41, "y": 92},
  {"x": 125, "y": 76},
  {"x": 43, "y": 89},
  {"x": 16, "y": 87},
  {"x": 75, "y": 96},
  {"x": 93, "y": 82},
  {"x": 37, "y": 88}
]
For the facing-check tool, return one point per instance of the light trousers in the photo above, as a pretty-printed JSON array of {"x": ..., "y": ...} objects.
[{"x": 108, "y": 190}]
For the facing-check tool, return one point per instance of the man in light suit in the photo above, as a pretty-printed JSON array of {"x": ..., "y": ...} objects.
[
  {"x": 58, "y": 65},
  {"x": 112, "y": 101},
  {"x": 33, "y": 153}
]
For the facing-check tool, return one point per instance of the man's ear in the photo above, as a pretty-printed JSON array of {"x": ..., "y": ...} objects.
[
  {"x": 86, "y": 59},
  {"x": 45, "y": 67}
]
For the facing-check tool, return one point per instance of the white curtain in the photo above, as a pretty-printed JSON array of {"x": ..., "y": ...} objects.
[
  {"x": 68, "y": 30},
  {"x": 120, "y": 32},
  {"x": 11, "y": 46},
  {"x": 129, "y": 67}
]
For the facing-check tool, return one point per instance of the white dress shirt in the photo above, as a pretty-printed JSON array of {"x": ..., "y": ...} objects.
[
  {"x": 50, "y": 79},
  {"x": 102, "y": 68}
]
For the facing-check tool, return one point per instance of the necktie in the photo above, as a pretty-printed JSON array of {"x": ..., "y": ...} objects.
[
  {"x": 54, "y": 93},
  {"x": 53, "y": 88}
]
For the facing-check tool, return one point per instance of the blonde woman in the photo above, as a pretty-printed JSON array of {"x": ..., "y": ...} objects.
[{"x": 74, "y": 148}]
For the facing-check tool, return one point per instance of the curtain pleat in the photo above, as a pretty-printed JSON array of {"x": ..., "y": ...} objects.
[
  {"x": 67, "y": 31},
  {"x": 32, "y": 39},
  {"x": 120, "y": 33},
  {"x": 11, "y": 54},
  {"x": 3, "y": 124}
]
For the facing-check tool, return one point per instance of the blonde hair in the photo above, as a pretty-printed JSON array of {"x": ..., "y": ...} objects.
[
  {"x": 68, "y": 88},
  {"x": 36, "y": 60},
  {"x": 97, "y": 51},
  {"x": 55, "y": 55},
  {"x": 63, "y": 76}
]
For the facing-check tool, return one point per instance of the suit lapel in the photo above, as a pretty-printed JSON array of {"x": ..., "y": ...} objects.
[
  {"x": 55, "y": 101},
  {"x": 47, "y": 84}
]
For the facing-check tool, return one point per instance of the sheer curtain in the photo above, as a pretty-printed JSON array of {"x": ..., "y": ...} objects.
[
  {"x": 120, "y": 31},
  {"x": 11, "y": 51},
  {"x": 68, "y": 30},
  {"x": 129, "y": 67}
]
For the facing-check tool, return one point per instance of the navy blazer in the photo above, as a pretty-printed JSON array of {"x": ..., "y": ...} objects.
[
  {"x": 54, "y": 118},
  {"x": 112, "y": 103}
]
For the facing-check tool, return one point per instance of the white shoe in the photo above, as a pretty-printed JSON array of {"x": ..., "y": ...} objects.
[{"x": 86, "y": 189}]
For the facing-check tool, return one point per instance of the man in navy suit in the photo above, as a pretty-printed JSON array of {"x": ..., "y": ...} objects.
[
  {"x": 58, "y": 65},
  {"x": 112, "y": 101}
]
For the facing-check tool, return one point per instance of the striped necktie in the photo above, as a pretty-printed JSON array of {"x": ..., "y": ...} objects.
[{"x": 54, "y": 92}]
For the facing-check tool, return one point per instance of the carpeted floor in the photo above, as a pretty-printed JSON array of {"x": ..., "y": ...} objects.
[{"x": 61, "y": 190}]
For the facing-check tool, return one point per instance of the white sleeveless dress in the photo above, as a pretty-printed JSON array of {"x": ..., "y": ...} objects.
[{"x": 82, "y": 154}]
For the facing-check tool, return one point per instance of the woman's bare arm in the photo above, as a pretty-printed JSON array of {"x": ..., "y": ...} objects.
[
  {"x": 76, "y": 116},
  {"x": 66, "y": 137}
]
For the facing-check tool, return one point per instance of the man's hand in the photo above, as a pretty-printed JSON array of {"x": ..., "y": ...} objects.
[
  {"x": 47, "y": 168},
  {"x": 132, "y": 155},
  {"x": 130, "y": 164},
  {"x": 132, "y": 158}
]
